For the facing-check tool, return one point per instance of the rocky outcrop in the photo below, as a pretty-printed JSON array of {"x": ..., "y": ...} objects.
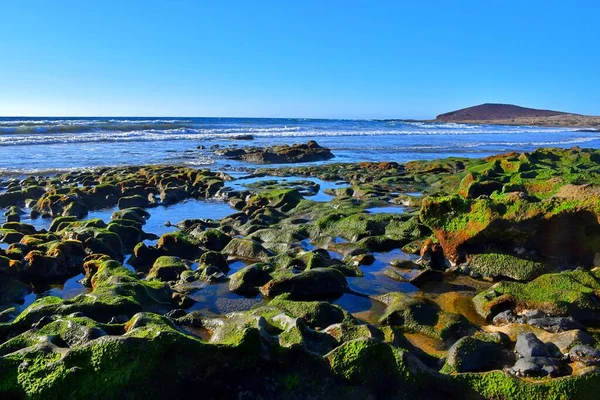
[{"x": 284, "y": 154}]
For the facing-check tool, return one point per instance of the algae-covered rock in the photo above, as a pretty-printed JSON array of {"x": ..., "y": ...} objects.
[
  {"x": 247, "y": 280},
  {"x": 495, "y": 266},
  {"x": 478, "y": 353},
  {"x": 424, "y": 316},
  {"x": 167, "y": 268},
  {"x": 247, "y": 250},
  {"x": 313, "y": 284},
  {"x": 316, "y": 314},
  {"x": 571, "y": 293},
  {"x": 365, "y": 362},
  {"x": 563, "y": 230},
  {"x": 179, "y": 244},
  {"x": 213, "y": 239}
]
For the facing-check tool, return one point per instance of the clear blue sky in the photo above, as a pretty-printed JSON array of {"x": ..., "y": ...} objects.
[{"x": 304, "y": 58}]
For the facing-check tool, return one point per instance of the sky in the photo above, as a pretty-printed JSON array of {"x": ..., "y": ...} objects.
[{"x": 284, "y": 58}]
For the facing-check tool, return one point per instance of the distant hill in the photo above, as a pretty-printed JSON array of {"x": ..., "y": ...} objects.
[
  {"x": 509, "y": 114},
  {"x": 491, "y": 111}
]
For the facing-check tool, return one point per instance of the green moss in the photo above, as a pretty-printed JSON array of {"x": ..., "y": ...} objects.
[
  {"x": 424, "y": 316},
  {"x": 314, "y": 313},
  {"x": 573, "y": 293},
  {"x": 498, "y": 385},
  {"x": 355, "y": 362},
  {"x": 503, "y": 265}
]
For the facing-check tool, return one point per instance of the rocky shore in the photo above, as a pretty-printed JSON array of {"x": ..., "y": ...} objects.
[
  {"x": 454, "y": 278},
  {"x": 296, "y": 153}
]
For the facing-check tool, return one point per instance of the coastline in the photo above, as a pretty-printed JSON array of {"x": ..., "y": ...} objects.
[{"x": 344, "y": 268}]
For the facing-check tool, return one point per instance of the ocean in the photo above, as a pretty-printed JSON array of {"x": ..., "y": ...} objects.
[{"x": 46, "y": 145}]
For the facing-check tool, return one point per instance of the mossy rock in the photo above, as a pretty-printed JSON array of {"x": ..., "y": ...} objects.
[
  {"x": 315, "y": 284},
  {"x": 213, "y": 239},
  {"x": 573, "y": 293},
  {"x": 364, "y": 362},
  {"x": 316, "y": 314},
  {"x": 179, "y": 244},
  {"x": 137, "y": 214},
  {"x": 167, "y": 268},
  {"x": 247, "y": 280},
  {"x": 494, "y": 265},
  {"x": 478, "y": 353},
  {"x": 423, "y": 315},
  {"x": 245, "y": 249}
]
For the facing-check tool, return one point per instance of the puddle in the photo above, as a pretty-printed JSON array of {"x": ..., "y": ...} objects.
[
  {"x": 71, "y": 288},
  {"x": 203, "y": 333},
  {"x": 375, "y": 282},
  {"x": 433, "y": 347},
  {"x": 235, "y": 266},
  {"x": 217, "y": 299},
  {"x": 127, "y": 265},
  {"x": 362, "y": 308},
  {"x": 386, "y": 210},
  {"x": 187, "y": 209}
]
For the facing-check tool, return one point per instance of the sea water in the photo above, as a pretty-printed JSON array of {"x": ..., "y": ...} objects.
[{"x": 45, "y": 145}]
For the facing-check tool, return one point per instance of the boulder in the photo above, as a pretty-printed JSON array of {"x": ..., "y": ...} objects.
[{"x": 314, "y": 284}]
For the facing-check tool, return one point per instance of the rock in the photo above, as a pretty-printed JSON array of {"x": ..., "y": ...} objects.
[
  {"x": 167, "y": 268},
  {"x": 528, "y": 345},
  {"x": 41, "y": 266},
  {"x": 564, "y": 341},
  {"x": 179, "y": 244},
  {"x": 537, "y": 366},
  {"x": 136, "y": 214},
  {"x": 25, "y": 229},
  {"x": 137, "y": 201},
  {"x": 316, "y": 314},
  {"x": 585, "y": 354},
  {"x": 554, "y": 324},
  {"x": 244, "y": 249},
  {"x": 494, "y": 265},
  {"x": 283, "y": 154},
  {"x": 432, "y": 256},
  {"x": 424, "y": 316},
  {"x": 317, "y": 283},
  {"x": 247, "y": 280},
  {"x": 213, "y": 259},
  {"x": 213, "y": 239},
  {"x": 553, "y": 229},
  {"x": 354, "y": 361},
  {"x": 169, "y": 196},
  {"x": 242, "y": 137},
  {"x": 237, "y": 203},
  {"x": 506, "y": 317},
  {"x": 571, "y": 293},
  {"x": 478, "y": 353},
  {"x": 144, "y": 256}
]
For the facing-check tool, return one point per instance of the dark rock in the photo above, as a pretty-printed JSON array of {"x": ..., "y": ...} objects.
[
  {"x": 133, "y": 201},
  {"x": 528, "y": 345},
  {"x": 555, "y": 324},
  {"x": 247, "y": 280},
  {"x": 585, "y": 354},
  {"x": 479, "y": 353},
  {"x": 284, "y": 154},
  {"x": 506, "y": 317},
  {"x": 537, "y": 366}
]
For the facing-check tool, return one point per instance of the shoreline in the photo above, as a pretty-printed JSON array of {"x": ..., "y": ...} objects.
[{"x": 335, "y": 269}]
